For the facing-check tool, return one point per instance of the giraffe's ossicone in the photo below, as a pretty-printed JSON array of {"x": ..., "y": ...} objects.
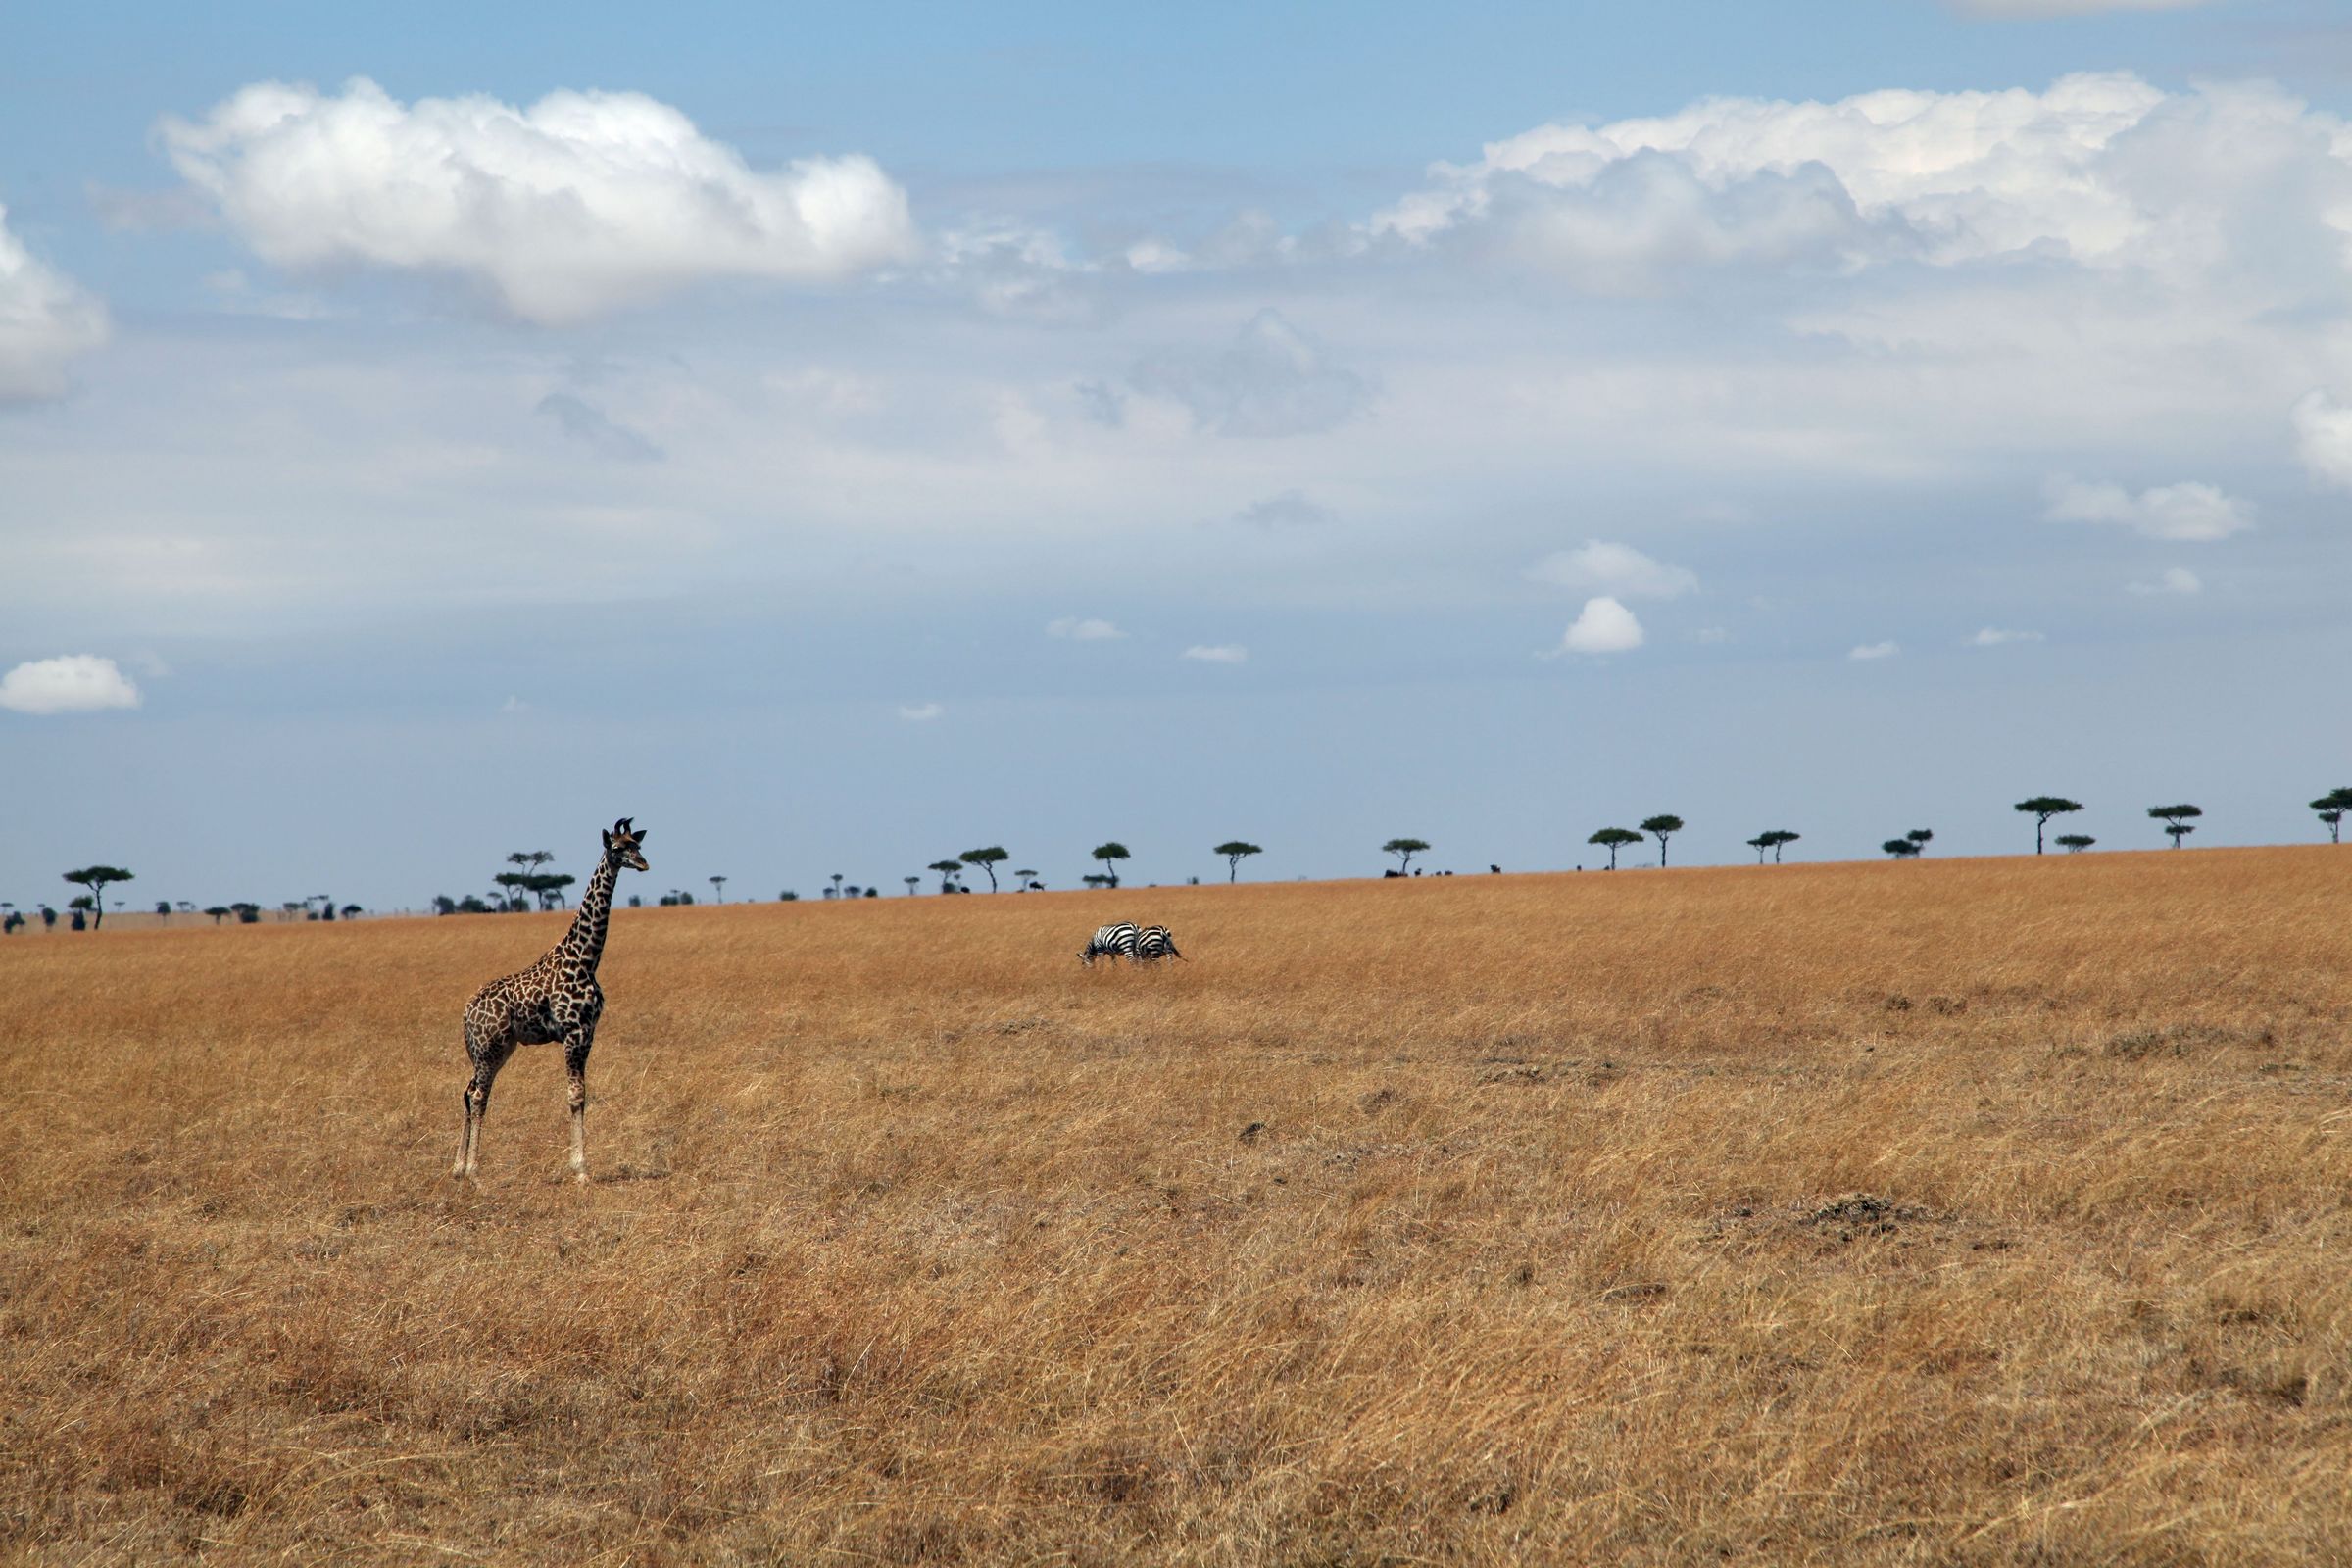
[{"x": 556, "y": 1001}]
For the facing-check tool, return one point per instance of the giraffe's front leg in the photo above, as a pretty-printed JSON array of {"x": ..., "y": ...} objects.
[
  {"x": 575, "y": 1068},
  {"x": 487, "y": 1059}
]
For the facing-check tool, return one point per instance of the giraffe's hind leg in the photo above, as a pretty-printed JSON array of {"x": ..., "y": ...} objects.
[{"x": 487, "y": 1059}]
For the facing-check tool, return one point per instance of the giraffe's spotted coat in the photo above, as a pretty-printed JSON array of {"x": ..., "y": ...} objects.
[{"x": 555, "y": 1001}]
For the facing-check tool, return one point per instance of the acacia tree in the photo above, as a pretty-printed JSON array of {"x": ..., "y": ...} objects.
[
  {"x": 1027, "y": 879},
  {"x": 2076, "y": 842},
  {"x": 718, "y": 890},
  {"x": 1662, "y": 827},
  {"x": 1614, "y": 839},
  {"x": 987, "y": 860},
  {"x": 2331, "y": 808},
  {"x": 911, "y": 882},
  {"x": 1234, "y": 852},
  {"x": 1404, "y": 849},
  {"x": 221, "y": 911},
  {"x": 1758, "y": 845},
  {"x": 2043, "y": 808},
  {"x": 1900, "y": 849},
  {"x": 97, "y": 878},
  {"x": 549, "y": 888},
  {"x": 946, "y": 869},
  {"x": 1776, "y": 838},
  {"x": 1108, "y": 852},
  {"x": 1920, "y": 836},
  {"x": 2176, "y": 819}
]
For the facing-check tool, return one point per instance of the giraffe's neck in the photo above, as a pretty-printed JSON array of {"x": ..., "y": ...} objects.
[{"x": 586, "y": 938}]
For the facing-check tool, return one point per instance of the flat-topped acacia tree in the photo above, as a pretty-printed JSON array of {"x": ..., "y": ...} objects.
[
  {"x": 2176, "y": 818},
  {"x": 1614, "y": 839},
  {"x": 1921, "y": 836},
  {"x": 1106, "y": 854},
  {"x": 1234, "y": 852},
  {"x": 1902, "y": 849},
  {"x": 97, "y": 878},
  {"x": 1773, "y": 840},
  {"x": 1662, "y": 827},
  {"x": 946, "y": 871},
  {"x": 1404, "y": 849},
  {"x": 987, "y": 859},
  {"x": 2076, "y": 842},
  {"x": 2043, "y": 808},
  {"x": 2331, "y": 808}
]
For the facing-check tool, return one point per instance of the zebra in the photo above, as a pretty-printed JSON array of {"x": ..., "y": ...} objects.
[
  {"x": 1112, "y": 941},
  {"x": 1155, "y": 942}
]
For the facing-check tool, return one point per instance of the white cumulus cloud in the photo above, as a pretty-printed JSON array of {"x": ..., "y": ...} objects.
[
  {"x": 2186, "y": 511},
  {"x": 1602, "y": 626},
  {"x": 1995, "y": 636},
  {"x": 1619, "y": 570},
  {"x": 1089, "y": 629},
  {"x": 920, "y": 712},
  {"x": 583, "y": 202},
  {"x": 1218, "y": 653},
  {"x": 2324, "y": 439},
  {"x": 2105, "y": 171},
  {"x": 2176, "y": 580},
  {"x": 1868, "y": 651},
  {"x": 45, "y": 319},
  {"x": 76, "y": 683}
]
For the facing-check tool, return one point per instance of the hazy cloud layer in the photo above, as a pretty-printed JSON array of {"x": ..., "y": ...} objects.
[
  {"x": 581, "y": 203},
  {"x": 2324, "y": 439},
  {"x": 46, "y": 318},
  {"x": 75, "y": 683},
  {"x": 2176, "y": 580},
  {"x": 1218, "y": 653},
  {"x": 1271, "y": 380},
  {"x": 590, "y": 425},
  {"x": 1869, "y": 651}
]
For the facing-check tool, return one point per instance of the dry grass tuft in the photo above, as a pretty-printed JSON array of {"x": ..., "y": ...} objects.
[{"x": 1957, "y": 1212}]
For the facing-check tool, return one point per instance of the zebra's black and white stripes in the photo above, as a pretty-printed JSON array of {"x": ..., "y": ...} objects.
[
  {"x": 1154, "y": 942},
  {"x": 1112, "y": 941}
]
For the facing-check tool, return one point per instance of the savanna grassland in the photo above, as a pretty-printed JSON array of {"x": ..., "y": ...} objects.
[{"x": 1954, "y": 1212}]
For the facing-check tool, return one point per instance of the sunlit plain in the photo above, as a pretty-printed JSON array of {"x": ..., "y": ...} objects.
[{"x": 1955, "y": 1211}]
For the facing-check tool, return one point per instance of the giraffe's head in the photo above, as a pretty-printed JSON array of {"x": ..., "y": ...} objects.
[{"x": 620, "y": 846}]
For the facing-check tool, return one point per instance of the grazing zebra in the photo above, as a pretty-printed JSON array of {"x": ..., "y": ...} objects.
[
  {"x": 1154, "y": 942},
  {"x": 1112, "y": 941}
]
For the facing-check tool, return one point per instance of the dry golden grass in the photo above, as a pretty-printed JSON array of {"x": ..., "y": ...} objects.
[{"x": 1958, "y": 1212}]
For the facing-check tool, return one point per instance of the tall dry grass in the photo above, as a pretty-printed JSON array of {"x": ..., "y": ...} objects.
[{"x": 1958, "y": 1212}]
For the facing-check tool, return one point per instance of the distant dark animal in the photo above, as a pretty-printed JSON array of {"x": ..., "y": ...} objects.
[
  {"x": 1393, "y": 876},
  {"x": 1111, "y": 942},
  {"x": 1497, "y": 869},
  {"x": 1154, "y": 942}
]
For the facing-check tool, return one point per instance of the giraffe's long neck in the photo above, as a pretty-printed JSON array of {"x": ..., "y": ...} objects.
[{"x": 586, "y": 938}]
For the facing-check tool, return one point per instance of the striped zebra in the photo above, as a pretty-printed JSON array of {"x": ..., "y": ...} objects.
[
  {"x": 1154, "y": 942},
  {"x": 1112, "y": 941}
]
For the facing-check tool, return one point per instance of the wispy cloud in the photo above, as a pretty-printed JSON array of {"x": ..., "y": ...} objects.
[
  {"x": 1088, "y": 629},
  {"x": 1218, "y": 653},
  {"x": 1271, "y": 380},
  {"x": 46, "y": 318},
  {"x": 1290, "y": 508},
  {"x": 920, "y": 712},
  {"x": 2176, "y": 580},
  {"x": 590, "y": 425},
  {"x": 1995, "y": 636},
  {"x": 1599, "y": 566},
  {"x": 1886, "y": 650},
  {"x": 2182, "y": 511}
]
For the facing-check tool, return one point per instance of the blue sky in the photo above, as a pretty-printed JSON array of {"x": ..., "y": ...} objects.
[{"x": 843, "y": 436}]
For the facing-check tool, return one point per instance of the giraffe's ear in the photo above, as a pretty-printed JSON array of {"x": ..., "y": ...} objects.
[
  {"x": 608, "y": 841},
  {"x": 640, "y": 834}
]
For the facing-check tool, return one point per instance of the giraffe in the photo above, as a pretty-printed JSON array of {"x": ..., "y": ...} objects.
[{"x": 556, "y": 999}]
